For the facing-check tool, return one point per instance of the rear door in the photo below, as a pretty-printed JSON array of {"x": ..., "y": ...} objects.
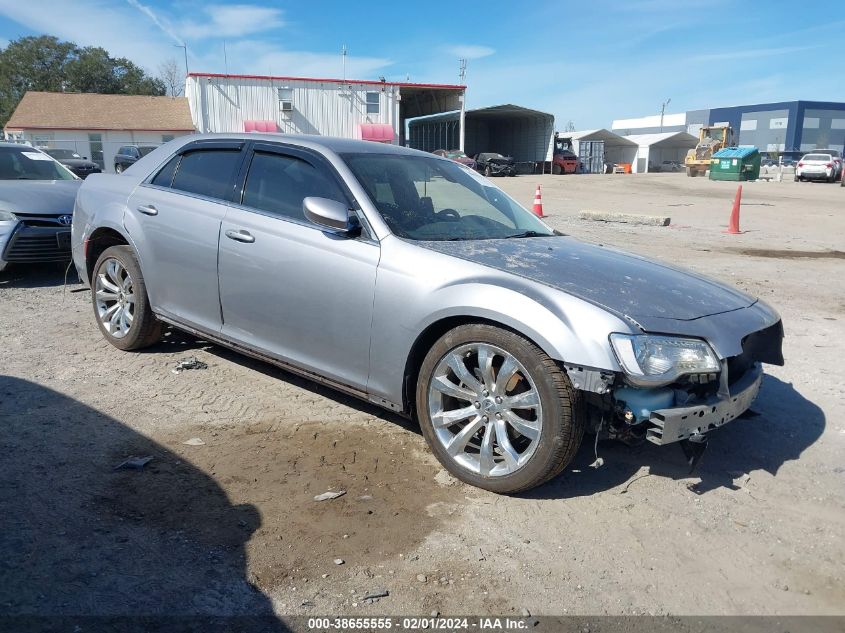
[
  {"x": 174, "y": 219},
  {"x": 297, "y": 291}
]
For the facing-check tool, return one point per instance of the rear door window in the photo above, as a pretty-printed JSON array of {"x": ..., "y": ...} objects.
[
  {"x": 278, "y": 183},
  {"x": 208, "y": 172}
]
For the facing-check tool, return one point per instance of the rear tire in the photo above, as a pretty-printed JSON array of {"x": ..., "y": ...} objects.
[
  {"x": 551, "y": 429},
  {"x": 118, "y": 169},
  {"x": 121, "y": 305}
]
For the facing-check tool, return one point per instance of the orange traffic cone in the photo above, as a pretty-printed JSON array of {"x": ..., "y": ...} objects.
[
  {"x": 538, "y": 203},
  {"x": 733, "y": 225}
]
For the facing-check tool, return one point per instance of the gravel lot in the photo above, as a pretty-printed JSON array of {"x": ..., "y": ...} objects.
[{"x": 230, "y": 526}]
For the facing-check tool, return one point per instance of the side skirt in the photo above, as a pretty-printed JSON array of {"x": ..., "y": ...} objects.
[{"x": 294, "y": 369}]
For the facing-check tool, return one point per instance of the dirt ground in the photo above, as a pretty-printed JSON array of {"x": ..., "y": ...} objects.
[{"x": 230, "y": 526}]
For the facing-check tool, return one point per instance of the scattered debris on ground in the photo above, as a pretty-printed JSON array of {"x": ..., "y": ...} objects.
[
  {"x": 134, "y": 463},
  {"x": 327, "y": 496},
  {"x": 189, "y": 363}
]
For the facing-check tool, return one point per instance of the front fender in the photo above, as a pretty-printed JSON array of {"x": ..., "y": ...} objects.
[{"x": 407, "y": 304}]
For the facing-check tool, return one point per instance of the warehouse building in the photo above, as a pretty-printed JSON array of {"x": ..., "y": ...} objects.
[
  {"x": 789, "y": 128},
  {"x": 526, "y": 135},
  {"x": 97, "y": 125},
  {"x": 369, "y": 110}
]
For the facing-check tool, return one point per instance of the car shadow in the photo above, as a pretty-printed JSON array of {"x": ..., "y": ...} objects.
[
  {"x": 175, "y": 340},
  {"x": 787, "y": 423},
  {"x": 88, "y": 546},
  {"x": 38, "y": 276}
]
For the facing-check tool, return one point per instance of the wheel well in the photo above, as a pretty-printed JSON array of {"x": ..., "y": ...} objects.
[
  {"x": 98, "y": 241},
  {"x": 424, "y": 342}
]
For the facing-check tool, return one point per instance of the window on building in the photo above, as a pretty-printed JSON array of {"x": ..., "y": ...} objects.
[
  {"x": 95, "y": 142},
  {"x": 285, "y": 99},
  {"x": 209, "y": 172},
  {"x": 278, "y": 184},
  {"x": 373, "y": 102},
  {"x": 42, "y": 140}
]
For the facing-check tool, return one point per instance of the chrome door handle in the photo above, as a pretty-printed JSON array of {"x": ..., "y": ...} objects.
[
  {"x": 240, "y": 236},
  {"x": 148, "y": 210}
]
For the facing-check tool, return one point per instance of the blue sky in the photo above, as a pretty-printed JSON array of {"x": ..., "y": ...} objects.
[{"x": 585, "y": 62}]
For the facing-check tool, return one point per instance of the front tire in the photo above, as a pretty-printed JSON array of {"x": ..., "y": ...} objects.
[
  {"x": 118, "y": 168},
  {"x": 121, "y": 305},
  {"x": 487, "y": 171},
  {"x": 496, "y": 411}
]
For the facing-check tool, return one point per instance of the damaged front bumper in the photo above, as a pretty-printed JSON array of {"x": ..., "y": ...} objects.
[{"x": 680, "y": 423}]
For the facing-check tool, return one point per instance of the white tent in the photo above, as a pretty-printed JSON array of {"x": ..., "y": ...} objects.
[
  {"x": 655, "y": 149},
  {"x": 598, "y": 147}
]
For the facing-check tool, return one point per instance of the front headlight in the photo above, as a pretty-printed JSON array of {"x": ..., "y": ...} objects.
[
  {"x": 653, "y": 360},
  {"x": 7, "y": 216}
]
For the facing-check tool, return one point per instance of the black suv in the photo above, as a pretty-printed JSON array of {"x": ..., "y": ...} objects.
[
  {"x": 79, "y": 165},
  {"x": 128, "y": 154}
]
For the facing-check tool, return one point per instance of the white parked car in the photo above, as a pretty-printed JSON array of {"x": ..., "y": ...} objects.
[{"x": 818, "y": 166}]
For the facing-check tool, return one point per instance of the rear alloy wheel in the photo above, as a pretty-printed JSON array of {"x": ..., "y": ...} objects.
[
  {"x": 496, "y": 411},
  {"x": 120, "y": 301}
]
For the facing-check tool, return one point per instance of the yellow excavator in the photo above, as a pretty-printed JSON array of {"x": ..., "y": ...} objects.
[{"x": 710, "y": 140}]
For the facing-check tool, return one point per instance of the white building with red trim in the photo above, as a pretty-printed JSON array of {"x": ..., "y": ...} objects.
[{"x": 369, "y": 110}]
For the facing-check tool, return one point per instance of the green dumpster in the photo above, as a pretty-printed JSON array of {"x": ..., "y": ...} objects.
[{"x": 735, "y": 163}]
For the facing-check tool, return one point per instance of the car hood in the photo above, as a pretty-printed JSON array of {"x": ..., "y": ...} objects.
[
  {"x": 38, "y": 197},
  {"x": 628, "y": 285}
]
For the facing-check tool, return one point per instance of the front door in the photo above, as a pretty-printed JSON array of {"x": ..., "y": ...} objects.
[
  {"x": 288, "y": 287},
  {"x": 174, "y": 221}
]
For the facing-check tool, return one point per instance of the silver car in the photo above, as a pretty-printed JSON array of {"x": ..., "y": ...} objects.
[
  {"x": 37, "y": 194},
  {"x": 409, "y": 281}
]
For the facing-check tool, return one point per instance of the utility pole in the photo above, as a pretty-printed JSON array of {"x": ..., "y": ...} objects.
[
  {"x": 184, "y": 48},
  {"x": 663, "y": 111},
  {"x": 343, "y": 55},
  {"x": 463, "y": 76}
]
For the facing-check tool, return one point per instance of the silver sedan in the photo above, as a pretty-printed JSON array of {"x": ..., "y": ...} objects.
[{"x": 410, "y": 281}]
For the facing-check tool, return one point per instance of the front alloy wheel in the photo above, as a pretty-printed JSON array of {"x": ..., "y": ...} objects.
[
  {"x": 485, "y": 409},
  {"x": 496, "y": 410}
]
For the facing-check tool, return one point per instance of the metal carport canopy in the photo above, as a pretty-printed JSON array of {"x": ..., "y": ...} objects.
[
  {"x": 617, "y": 149},
  {"x": 523, "y": 133}
]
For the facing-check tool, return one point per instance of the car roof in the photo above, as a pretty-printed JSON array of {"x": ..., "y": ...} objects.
[{"x": 313, "y": 141}]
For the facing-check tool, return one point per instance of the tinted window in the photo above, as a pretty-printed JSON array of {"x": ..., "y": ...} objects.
[
  {"x": 207, "y": 172},
  {"x": 165, "y": 177},
  {"x": 278, "y": 184}
]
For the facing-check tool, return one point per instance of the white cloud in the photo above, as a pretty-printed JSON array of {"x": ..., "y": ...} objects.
[
  {"x": 155, "y": 19},
  {"x": 234, "y": 20},
  {"x": 469, "y": 51},
  {"x": 262, "y": 58},
  {"x": 114, "y": 27},
  {"x": 754, "y": 53}
]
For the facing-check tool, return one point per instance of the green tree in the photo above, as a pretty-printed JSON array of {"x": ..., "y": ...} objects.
[{"x": 46, "y": 63}]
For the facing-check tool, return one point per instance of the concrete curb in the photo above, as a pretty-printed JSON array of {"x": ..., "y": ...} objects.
[{"x": 625, "y": 218}]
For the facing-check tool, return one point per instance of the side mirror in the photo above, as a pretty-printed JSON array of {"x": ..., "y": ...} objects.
[{"x": 331, "y": 214}]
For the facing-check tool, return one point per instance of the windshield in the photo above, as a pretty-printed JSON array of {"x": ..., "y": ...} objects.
[
  {"x": 62, "y": 153},
  {"x": 146, "y": 149},
  {"x": 424, "y": 198},
  {"x": 26, "y": 163}
]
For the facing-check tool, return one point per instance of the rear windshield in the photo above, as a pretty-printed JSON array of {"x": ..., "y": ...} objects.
[
  {"x": 824, "y": 157},
  {"x": 146, "y": 149}
]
